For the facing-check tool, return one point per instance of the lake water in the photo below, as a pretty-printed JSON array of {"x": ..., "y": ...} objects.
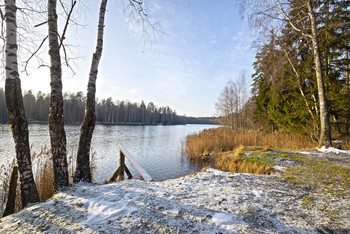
[{"x": 158, "y": 149}]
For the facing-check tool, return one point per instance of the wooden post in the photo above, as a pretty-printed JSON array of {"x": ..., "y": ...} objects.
[
  {"x": 119, "y": 173},
  {"x": 121, "y": 165},
  {"x": 10, "y": 204}
]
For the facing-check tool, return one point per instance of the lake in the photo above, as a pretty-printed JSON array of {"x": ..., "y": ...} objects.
[{"x": 158, "y": 149}]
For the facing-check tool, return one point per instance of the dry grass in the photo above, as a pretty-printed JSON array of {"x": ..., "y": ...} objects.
[
  {"x": 225, "y": 139},
  {"x": 43, "y": 173},
  {"x": 42, "y": 164},
  {"x": 235, "y": 161}
]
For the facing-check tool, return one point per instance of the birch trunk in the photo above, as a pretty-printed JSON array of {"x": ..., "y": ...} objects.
[
  {"x": 56, "y": 120},
  {"x": 325, "y": 134},
  {"x": 83, "y": 172},
  {"x": 15, "y": 108}
]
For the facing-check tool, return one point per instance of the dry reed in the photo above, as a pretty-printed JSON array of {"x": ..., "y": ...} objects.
[
  {"x": 225, "y": 139},
  {"x": 43, "y": 173}
]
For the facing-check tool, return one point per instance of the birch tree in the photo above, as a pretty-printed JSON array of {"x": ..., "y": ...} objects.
[
  {"x": 231, "y": 104},
  {"x": 83, "y": 157},
  {"x": 325, "y": 134},
  {"x": 16, "y": 115},
  {"x": 279, "y": 12},
  {"x": 56, "y": 119}
]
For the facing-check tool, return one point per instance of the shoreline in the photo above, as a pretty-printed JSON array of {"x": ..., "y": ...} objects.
[{"x": 211, "y": 201}]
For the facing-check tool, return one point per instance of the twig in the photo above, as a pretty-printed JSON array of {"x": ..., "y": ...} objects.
[
  {"x": 36, "y": 51},
  {"x": 66, "y": 25},
  {"x": 2, "y": 15},
  {"x": 41, "y": 24},
  {"x": 62, "y": 5}
]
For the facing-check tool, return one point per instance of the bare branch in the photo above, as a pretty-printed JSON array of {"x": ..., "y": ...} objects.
[
  {"x": 139, "y": 8},
  {"x": 286, "y": 16},
  {"x": 33, "y": 54},
  {"x": 43, "y": 65},
  {"x": 66, "y": 25},
  {"x": 2, "y": 15},
  {"x": 38, "y": 25},
  {"x": 63, "y": 7}
]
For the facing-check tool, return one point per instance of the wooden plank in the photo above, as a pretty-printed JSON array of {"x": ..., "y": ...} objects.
[{"x": 144, "y": 175}]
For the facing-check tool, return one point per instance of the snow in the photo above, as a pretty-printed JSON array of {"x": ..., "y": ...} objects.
[
  {"x": 222, "y": 219},
  {"x": 279, "y": 168},
  {"x": 258, "y": 193},
  {"x": 333, "y": 150},
  {"x": 207, "y": 202},
  {"x": 309, "y": 153},
  {"x": 323, "y": 150}
]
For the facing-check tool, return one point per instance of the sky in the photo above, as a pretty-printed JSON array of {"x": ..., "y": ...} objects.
[{"x": 204, "y": 44}]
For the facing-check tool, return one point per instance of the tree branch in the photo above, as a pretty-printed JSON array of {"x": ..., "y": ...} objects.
[
  {"x": 38, "y": 25},
  {"x": 66, "y": 25},
  {"x": 138, "y": 7},
  {"x": 36, "y": 51}
]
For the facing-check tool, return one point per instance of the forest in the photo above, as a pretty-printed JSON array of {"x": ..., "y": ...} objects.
[
  {"x": 285, "y": 85},
  {"x": 301, "y": 73},
  {"x": 36, "y": 107}
]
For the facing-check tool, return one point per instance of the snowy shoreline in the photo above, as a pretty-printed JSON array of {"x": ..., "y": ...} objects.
[{"x": 205, "y": 202}]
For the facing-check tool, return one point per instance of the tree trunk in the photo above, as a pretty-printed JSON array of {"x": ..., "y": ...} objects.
[
  {"x": 83, "y": 172},
  {"x": 347, "y": 83},
  {"x": 325, "y": 134},
  {"x": 347, "y": 87},
  {"x": 15, "y": 108},
  {"x": 56, "y": 120},
  {"x": 11, "y": 198}
]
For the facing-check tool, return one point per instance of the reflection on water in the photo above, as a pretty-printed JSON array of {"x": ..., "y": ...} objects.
[{"x": 156, "y": 148}]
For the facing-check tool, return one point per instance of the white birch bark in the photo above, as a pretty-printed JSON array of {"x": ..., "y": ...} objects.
[
  {"x": 14, "y": 103},
  {"x": 56, "y": 120},
  {"x": 83, "y": 172},
  {"x": 325, "y": 134}
]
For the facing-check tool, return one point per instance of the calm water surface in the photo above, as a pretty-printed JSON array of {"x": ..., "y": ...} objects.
[{"x": 156, "y": 148}]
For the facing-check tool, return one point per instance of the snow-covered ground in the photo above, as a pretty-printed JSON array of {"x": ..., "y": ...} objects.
[
  {"x": 333, "y": 150},
  {"x": 323, "y": 150},
  {"x": 206, "y": 202}
]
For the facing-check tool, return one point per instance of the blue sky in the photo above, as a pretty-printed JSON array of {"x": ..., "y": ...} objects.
[{"x": 205, "y": 44}]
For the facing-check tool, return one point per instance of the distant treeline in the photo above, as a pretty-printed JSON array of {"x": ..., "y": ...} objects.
[{"x": 107, "y": 111}]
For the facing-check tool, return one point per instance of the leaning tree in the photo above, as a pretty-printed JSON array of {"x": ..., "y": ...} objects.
[{"x": 137, "y": 10}]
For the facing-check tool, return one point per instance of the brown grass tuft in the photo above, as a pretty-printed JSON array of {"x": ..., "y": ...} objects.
[
  {"x": 43, "y": 173},
  {"x": 234, "y": 161}
]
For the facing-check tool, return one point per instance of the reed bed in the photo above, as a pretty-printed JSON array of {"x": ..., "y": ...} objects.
[{"x": 222, "y": 139}]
